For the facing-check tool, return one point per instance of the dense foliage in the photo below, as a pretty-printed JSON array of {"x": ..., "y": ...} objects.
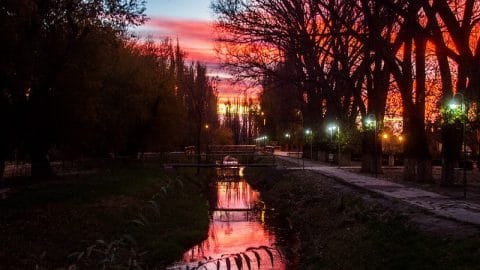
[{"x": 74, "y": 84}]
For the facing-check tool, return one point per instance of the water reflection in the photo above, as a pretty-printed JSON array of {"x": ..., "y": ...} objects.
[{"x": 237, "y": 233}]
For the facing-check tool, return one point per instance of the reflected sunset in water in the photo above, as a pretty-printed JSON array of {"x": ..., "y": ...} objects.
[{"x": 236, "y": 227}]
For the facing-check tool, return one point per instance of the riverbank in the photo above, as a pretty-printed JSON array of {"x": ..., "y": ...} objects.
[
  {"x": 130, "y": 215},
  {"x": 340, "y": 227}
]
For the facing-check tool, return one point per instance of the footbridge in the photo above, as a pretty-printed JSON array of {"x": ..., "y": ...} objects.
[{"x": 222, "y": 156}]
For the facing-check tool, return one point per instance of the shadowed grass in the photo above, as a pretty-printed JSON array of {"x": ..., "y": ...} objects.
[
  {"x": 338, "y": 229},
  {"x": 59, "y": 217}
]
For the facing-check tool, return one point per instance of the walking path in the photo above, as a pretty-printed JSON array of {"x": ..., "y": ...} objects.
[{"x": 435, "y": 203}]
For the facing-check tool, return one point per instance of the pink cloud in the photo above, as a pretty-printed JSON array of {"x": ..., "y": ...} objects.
[{"x": 197, "y": 39}]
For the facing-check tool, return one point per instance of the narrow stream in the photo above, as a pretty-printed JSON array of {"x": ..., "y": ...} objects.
[{"x": 238, "y": 237}]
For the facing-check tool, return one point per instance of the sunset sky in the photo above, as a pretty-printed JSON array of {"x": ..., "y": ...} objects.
[{"x": 191, "y": 21}]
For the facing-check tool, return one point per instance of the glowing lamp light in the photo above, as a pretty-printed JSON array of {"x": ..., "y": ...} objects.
[
  {"x": 308, "y": 131},
  {"x": 287, "y": 135},
  {"x": 453, "y": 105},
  {"x": 261, "y": 138},
  {"x": 456, "y": 102},
  {"x": 385, "y": 136},
  {"x": 400, "y": 138},
  {"x": 332, "y": 127},
  {"x": 370, "y": 121}
]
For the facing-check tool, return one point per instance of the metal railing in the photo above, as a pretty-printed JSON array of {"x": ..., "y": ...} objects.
[{"x": 218, "y": 159}]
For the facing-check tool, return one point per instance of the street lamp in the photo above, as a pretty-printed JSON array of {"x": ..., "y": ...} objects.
[
  {"x": 386, "y": 143},
  {"x": 287, "y": 137},
  {"x": 371, "y": 121},
  {"x": 208, "y": 136},
  {"x": 388, "y": 147},
  {"x": 308, "y": 136},
  {"x": 332, "y": 127},
  {"x": 262, "y": 139},
  {"x": 454, "y": 105}
]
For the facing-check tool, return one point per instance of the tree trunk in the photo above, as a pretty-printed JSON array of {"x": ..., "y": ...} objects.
[
  {"x": 198, "y": 141},
  {"x": 452, "y": 141},
  {"x": 418, "y": 164},
  {"x": 2, "y": 166},
  {"x": 3, "y": 154},
  {"x": 371, "y": 153},
  {"x": 41, "y": 169}
]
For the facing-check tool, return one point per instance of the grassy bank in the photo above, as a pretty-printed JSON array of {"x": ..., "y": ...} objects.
[
  {"x": 133, "y": 215},
  {"x": 337, "y": 228}
]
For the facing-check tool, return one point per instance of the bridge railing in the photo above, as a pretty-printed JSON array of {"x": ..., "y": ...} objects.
[
  {"x": 232, "y": 148},
  {"x": 217, "y": 158}
]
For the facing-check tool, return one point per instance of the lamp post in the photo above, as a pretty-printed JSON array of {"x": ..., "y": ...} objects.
[
  {"x": 309, "y": 133},
  {"x": 338, "y": 145},
  {"x": 454, "y": 105},
  {"x": 207, "y": 129},
  {"x": 371, "y": 121},
  {"x": 387, "y": 147},
  {"x": 308, "y": 136},
  {"x": 287, "y": 137},
  {"x": 332, "y": 127}
]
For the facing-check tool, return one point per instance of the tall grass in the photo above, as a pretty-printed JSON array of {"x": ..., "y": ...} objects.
[{"x": 127, "y": 218}]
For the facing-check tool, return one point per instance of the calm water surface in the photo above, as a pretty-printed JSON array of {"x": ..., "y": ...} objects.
[{"x": 237, "y": 232}]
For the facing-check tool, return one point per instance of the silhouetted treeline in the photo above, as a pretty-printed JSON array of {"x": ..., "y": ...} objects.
[
  {"x": 340, "y": 60},
  {"x": 74, "y": 84},
  {"x": 241, "y": 119}
]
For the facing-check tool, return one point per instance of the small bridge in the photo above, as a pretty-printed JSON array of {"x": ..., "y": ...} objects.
[{"x": 238, "y": 156}]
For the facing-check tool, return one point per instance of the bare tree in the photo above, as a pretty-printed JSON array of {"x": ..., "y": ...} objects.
[{"x": 453, "y": 28}]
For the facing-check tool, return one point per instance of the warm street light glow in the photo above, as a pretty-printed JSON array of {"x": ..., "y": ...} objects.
[
  {"x": 287, "y": 135},
  {"x": 308, "y": 131},
  {"x": 207, "y": 126},
  {"x": 385, "y": 136},
  {"x": 400, "y": 138}
]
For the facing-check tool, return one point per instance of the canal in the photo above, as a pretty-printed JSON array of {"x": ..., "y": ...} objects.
[{"x": 238, "y": 237}]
